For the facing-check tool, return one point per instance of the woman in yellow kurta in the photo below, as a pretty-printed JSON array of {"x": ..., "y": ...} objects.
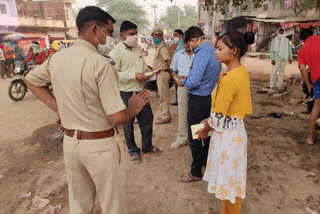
[{"x": 226, "y": 170}]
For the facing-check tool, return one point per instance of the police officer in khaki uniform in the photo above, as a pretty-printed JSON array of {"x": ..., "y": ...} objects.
[
  {"x": 87, "y": 99},
  {"x": 161, "y": 62}
]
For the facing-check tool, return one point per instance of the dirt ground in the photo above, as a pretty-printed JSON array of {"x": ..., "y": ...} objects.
[{"x": 283, "y": 174}]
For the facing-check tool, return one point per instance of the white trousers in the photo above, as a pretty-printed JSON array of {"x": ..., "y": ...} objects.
[
  {"x": 280, "y": 68},
  {"x": 183, "y": 99}
]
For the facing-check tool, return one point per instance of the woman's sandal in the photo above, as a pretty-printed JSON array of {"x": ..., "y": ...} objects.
[{"x": 188, "y": 178}]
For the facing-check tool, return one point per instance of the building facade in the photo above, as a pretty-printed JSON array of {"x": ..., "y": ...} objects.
[
  {"x": 8, "y": 17},
  {"x": 40, "y": 20},
  {"x": 265, "y": 21}
]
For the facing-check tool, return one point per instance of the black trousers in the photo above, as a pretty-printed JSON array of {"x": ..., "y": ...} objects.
[
  {"x": 145, "y": 121},
  {"x": 199, "y": 109}
]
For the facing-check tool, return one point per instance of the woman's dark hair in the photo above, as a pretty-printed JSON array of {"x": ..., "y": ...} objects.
[
  {"x": 192, "y": 33},
  {"x": 305, "y": 34},
  {"x": 235, "y": 39}
]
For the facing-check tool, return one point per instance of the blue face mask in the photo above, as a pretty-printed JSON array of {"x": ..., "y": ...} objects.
[
  {"x": 44, "y": 49},
  {"x": 156, "y": 41}
]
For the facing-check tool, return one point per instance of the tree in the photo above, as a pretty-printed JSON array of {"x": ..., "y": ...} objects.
[
  {"x": 299, "y": 6},
  {"x": 187, "y": 18},
  {"x": 122, "y": 10}
]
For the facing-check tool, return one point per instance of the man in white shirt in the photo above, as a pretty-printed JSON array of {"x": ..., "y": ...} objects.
[{"x": 181, "y": 63}]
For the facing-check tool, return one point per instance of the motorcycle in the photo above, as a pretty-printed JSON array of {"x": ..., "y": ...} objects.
[
  {"x": 152, "y": 85},
  {"x": 17, "y": 88}
]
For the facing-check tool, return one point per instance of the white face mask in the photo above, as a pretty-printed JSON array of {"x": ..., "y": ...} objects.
[
  {"x": 131, "y": 41},
  {"x": 281, "y": 36},
  {"x": 199, "y": 39},
  {"x": 110, "y": 43},
  {"x": 176, "y": 39}
]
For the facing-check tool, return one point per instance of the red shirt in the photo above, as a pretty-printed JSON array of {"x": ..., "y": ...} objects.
[
  {"x": 173, "y": 47},
  {"x": 309, "y": 55},
  {"x": 51, "y": 51},
  {"x": 39, "y": 59}
]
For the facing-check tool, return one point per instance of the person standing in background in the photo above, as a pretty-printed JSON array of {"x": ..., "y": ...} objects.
[
  {"x": 180, "y": 66},
  {"x": 3, "y": 70},
  {"x": 178, "y": 39},
  {"x": 161, "y": 63},
  {"x": 280, "y": 52},
  {"x": 216, "y": 38},
  {"x": 9, "y": 50},
  {"x": 309, "y": 55},
  {"x": 18, "y": 52}
]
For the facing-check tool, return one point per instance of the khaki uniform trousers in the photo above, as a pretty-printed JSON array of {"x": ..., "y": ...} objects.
[
  {"x": 93, "y": 168},
  {"x": 163, "y": 82},
  {"x": 280, "y": 67},
  {"x": 183, "y": 99}
]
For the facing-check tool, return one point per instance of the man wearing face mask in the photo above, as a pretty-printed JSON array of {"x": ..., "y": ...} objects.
[
  {"x": 180, "y": 66},
  {"x": 131, "y": 67},
  {"x": 203, "y": 75},
  {"x": 161, "y": 63},
  {"x": 87, "y": 99},
  {"x": 178, "y": 39},
  {"x": 280, "y": 53}
]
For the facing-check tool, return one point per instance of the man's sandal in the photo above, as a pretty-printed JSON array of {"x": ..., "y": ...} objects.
[
  {"x": 152, "y": 149},
  {"x": 136, "y": 159},
  {"x": 188, "y": 178}
]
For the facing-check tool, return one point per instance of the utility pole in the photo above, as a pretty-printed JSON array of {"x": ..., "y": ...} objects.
[
  {"x": 175, "y": 4},
  {"x": 154, "y": 6},
  {"x": 178, "y": 18}
]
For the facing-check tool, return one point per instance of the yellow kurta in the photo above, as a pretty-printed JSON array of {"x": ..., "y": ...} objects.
[{"x": 226, "y": 169}]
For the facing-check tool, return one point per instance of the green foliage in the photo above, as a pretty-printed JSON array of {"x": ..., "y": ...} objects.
[
  {"x": 299, "y": 6},
  {"x": 122, "y": 10},
  {"x": 188, "y": 18}
]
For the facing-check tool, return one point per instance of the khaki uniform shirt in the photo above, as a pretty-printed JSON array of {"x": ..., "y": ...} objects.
[
  {"x": 128, "y": 63},
  {"x": 162, "y": 54},
  {"x": 85, "y": 85}
]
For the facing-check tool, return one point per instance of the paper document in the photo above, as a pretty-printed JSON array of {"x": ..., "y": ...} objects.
[
  {"x": 195, "y": 128},
  {"x": 151, "y": 75}
]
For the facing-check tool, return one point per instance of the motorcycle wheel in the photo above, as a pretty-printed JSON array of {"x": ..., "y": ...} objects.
[{"x": 17, "y": 90}]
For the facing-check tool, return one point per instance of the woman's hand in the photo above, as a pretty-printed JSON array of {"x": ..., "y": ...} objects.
[{"x": 202, "y": 134}]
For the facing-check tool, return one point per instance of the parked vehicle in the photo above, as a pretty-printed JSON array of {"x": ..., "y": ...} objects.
[
  {"x": 66, "y": 43},
  {"x": 17, "y": 88},
  {"x": 152, "y": 85}
]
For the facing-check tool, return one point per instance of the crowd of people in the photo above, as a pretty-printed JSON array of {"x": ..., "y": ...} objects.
[
  {"x": 10, "y": 52},
  {"x": 99, "y": 85}
]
